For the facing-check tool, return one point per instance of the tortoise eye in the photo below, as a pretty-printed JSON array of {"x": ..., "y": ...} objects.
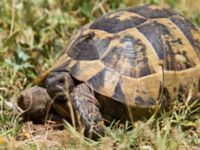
[{"x": 61, "y": 81}]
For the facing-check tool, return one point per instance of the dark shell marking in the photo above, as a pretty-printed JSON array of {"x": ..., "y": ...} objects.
[
  {"x": 199, "y": 85},
  {"x": 114, "y": 24},
  {"x": 118, "y": 93},
  {"x": 83, "y": 48},
  {"x": 139, "y": 101},
  {"x": 151, "y": 12},
  {"x": 187, "y": 28},
  {"x": 154, "y": 32}
]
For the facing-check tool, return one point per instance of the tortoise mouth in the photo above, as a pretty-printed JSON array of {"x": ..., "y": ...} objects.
[{"x": 59, "y": 96}]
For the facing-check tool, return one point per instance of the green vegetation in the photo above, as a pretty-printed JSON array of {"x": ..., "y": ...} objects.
[{"x": 32, "y": 36}]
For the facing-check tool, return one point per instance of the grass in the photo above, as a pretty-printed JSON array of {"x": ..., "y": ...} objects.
[{"x": 32, "y": 36}]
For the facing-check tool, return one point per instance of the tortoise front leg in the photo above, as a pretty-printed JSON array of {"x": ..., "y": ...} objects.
[{"x": 87, "y": 108}]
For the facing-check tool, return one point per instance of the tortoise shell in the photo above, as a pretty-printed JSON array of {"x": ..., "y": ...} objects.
[{"x": 135, "y": 55}]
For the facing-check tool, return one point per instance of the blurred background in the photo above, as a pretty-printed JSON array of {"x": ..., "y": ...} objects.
[{"x": 33, "y": 34}]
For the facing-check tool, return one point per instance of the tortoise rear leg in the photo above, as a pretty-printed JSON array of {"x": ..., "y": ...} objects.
[{"x": 87, "y": 108}]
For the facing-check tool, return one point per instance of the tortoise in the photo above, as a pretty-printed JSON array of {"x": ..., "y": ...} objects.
[{"x": 124, "y": 65}]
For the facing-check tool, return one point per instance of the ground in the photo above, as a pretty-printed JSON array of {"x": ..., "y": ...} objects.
[{"x": 32, "y": 36}]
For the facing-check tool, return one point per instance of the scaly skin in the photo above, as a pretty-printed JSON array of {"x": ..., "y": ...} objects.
[
  {"x": 85, "y": 104},
  {"x": 87, "y": 108}
]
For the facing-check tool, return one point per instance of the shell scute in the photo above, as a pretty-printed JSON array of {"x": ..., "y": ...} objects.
[{"x": 104, "y": 82}]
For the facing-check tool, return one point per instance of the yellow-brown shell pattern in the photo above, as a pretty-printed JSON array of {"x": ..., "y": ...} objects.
[{"x": 136, "y": 55}]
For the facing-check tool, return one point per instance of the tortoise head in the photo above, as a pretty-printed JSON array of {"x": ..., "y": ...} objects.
[
  {"x": 57, "y": 80},
  {"x": 59, "y": 84}
]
